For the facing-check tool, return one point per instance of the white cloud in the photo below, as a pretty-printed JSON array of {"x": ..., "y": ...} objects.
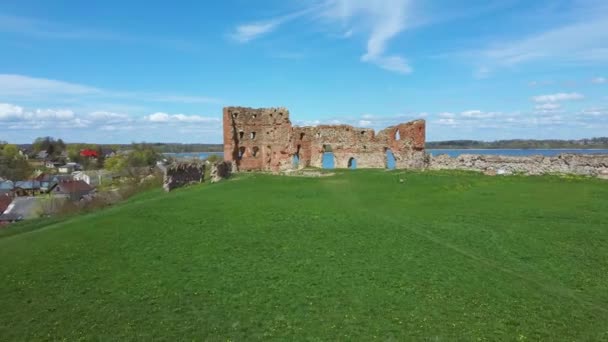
[
  {"x": 447, "y": 115},
  {"x": 472, "y": 113},
  {"x": 558, "y": 97},
  {"x": 10, "y": 112},
  {"x": 167, "y": 118},
  {"x": 584, "y": 40},
  {"x": 108, "y": 116},
  {"x": 447, "y": 121},
  {"x": 15, "y": 117},
  {"x": 548, "y": 106},
  {"x": 20, "y": 86},
  {"x": 248, "y": 32},
  {"x": 383, "y": 19},
  {"x": 364, "y": 123},
  {"x": 599, "y": 80}
]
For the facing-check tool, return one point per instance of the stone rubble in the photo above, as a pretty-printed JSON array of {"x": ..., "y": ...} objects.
[{"x": 588, "y": 165}]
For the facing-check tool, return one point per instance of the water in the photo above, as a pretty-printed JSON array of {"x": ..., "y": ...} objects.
[
  {"x": 515, "y": 152},
  {"x": 195, "y": 155}
]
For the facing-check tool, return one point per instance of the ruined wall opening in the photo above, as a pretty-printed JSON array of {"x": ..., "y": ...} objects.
[
  {"x": 328, "y": 160},
  {"x": 397, "y": 135},
  {"x": 391, "y": 162},
  {"x": 241, "y": 152},
  {"x": 295, "y": 161},
  {"x": 352, "y": 163},
  {"x": 252, "y": 135},
  {"x": 296, "y": 157},
  {"x": 241, "y": 135},
  {"x": 255, "y": 151},
  {"x": 302, "y": 136}
]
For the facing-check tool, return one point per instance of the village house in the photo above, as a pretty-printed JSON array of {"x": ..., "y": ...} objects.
[
  {"x": 75, "y": 190},
  {"x": 69, "y": 168},
  {"x": 5, "y": 201},
  {"x": 93, "y": 178},
  {"x": 6, "y": 187},
  {"x": 27, "y": 188}
]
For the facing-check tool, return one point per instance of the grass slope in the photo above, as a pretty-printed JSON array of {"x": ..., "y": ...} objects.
[{"x": 443, "y": 255}]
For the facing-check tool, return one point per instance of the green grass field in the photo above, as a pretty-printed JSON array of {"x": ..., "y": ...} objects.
[{"x": 357, "y": 256}]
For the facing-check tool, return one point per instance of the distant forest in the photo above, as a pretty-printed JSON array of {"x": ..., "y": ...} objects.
[
  {"x": 520, "y": 144},
  {"x": 159, "y": 147}
]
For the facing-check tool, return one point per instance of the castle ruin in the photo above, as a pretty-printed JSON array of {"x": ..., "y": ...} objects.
[{"x": 264, "y": 140}]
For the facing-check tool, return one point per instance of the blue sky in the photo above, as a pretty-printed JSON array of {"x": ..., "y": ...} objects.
[{"x": 122, "y": 71}]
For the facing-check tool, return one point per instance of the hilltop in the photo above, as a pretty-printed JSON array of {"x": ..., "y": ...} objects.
[{"x": 355, "y": 256}]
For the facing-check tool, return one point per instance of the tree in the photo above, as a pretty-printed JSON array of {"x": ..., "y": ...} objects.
[
  {"x": 116, "y": 164},
  {"x": 13, "y": 166}
]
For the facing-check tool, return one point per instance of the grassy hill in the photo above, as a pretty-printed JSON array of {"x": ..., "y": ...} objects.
[{"x": 356, "y": 256}]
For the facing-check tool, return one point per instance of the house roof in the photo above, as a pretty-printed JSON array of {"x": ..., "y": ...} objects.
[
  {"x": 27, "y": 185},
  {"x": 7, "y": 185},
  {"x": 25, "y": 207},
  {"x": 5, "y": 201},
  {"x": 71, "y": 187}
]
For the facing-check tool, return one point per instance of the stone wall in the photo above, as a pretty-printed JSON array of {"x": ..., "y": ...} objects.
[
  {"x": 590, "y": 165},
  {"x": 264, "y": 139},
  {"x": 220, "y": 170},
  {"x": 182, "y": 174}
]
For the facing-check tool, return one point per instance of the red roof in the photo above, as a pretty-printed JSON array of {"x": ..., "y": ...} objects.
[
  {"x": 71, "y": 187},
  {"x": 5, "y": 201},
  {"x": 89, "y": 153}
]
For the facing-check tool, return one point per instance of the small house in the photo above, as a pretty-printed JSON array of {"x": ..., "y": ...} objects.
[
  {"x": 69, "y": 168},
  {"x": 27, "y": 188},
  {"x": 6, "y": 187},
  {"x": 75, "y": 190},
  {"x": 93, "y": 178},
  {"x": 5, "y": 201}
]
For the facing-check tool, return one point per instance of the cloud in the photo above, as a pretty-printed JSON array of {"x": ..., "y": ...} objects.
[
  {"x": 59, "y": 31},
  {"x": 447, "y": 121},
  {"x": 364, "y": 123},
  {"x": 548, "y": 106},
  {"x": 249, "y": 32},
  {"x": 383, "y": 19},
  {"x": 169, "y": 118},
  {"x": 558, "y": 97},
  {"x": 447, "y": 115},
  {"x": 15, "y": 117},
  {"x": 20, "y": 86},
  {"x": 582, "y": 38},
  {"x": 599, "y": 80}
]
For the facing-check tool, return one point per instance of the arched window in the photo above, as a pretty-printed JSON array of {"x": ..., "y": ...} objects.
[
  {"x": 241, "y": 135},
  {"x": 397, "y": 135},
  {"x": 241, "y": 152},
  {"x": 252, "y": 135},
  {"x": 255, "y": 151},
  {"x": 352, "y": 163}
]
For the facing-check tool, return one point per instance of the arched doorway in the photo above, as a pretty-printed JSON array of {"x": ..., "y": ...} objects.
[
  {"x": 352, "y": 163},
  {"x": 328, "y": 161},
  {"x": 391, "y": 162}
]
